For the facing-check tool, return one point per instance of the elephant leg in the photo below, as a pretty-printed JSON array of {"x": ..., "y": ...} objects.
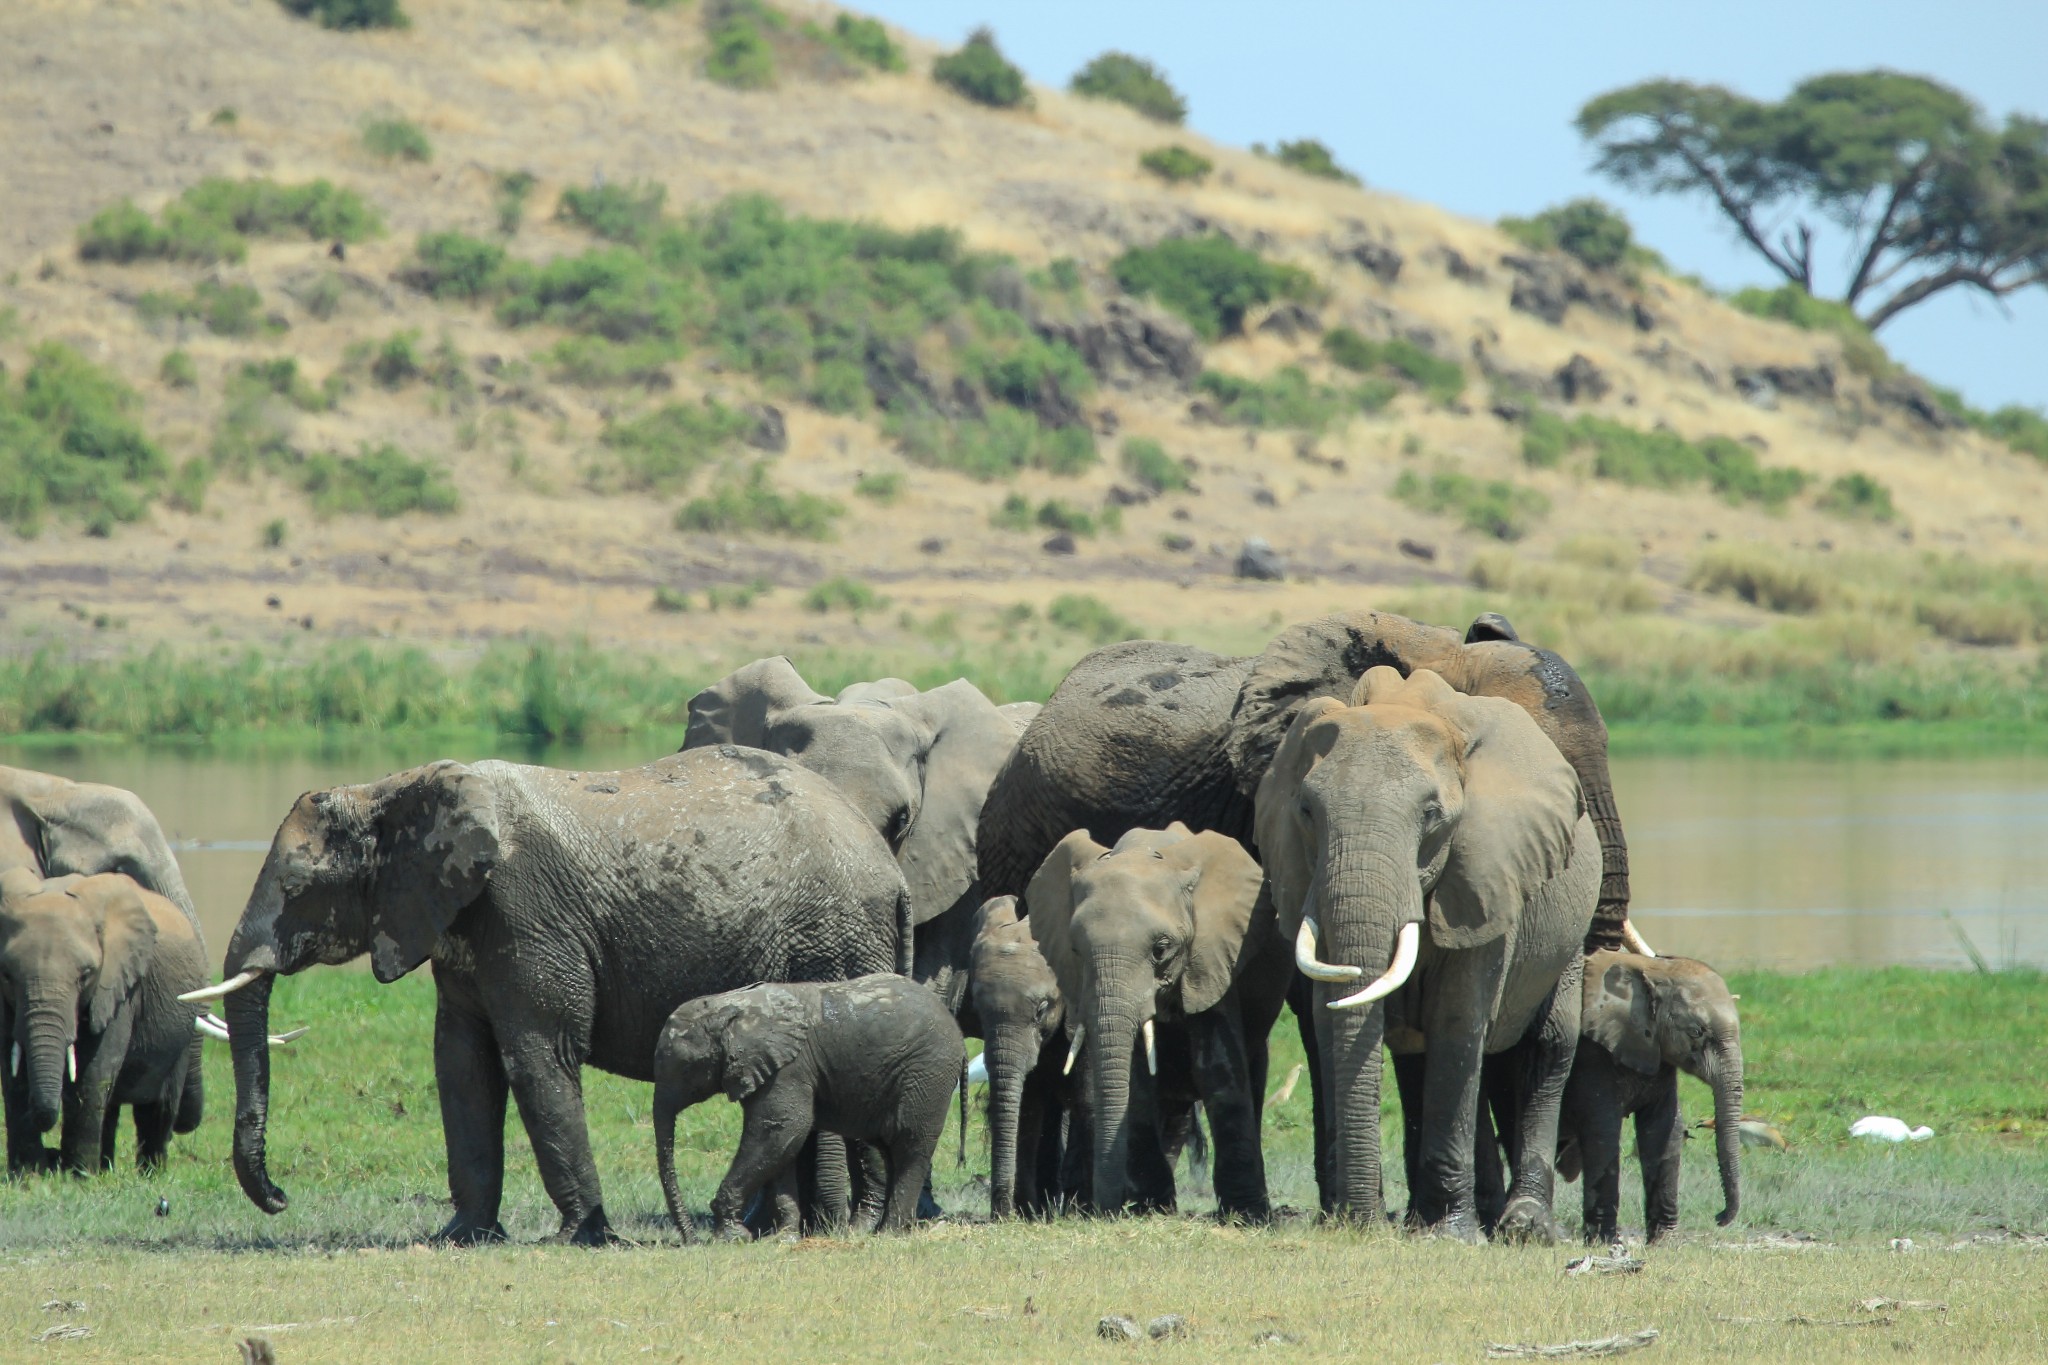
[
  {"x": 1150, "y": 1176},
  {"x": 154, "y": 1123},
  {"x": 910, "y": 1165},
  {"x": 26, "y": 1153},
  {"x": 192, "y": 1091},
  {"x": 831, "y": 1182},
  {"x": 769, "y": 1144},
  {"x": 873, "y": 1204},
  {"x": 1489, "y": 1190},
  {"x": 1408, "y": 1073},
  {"x": 1223, "y": 1075},
  {"x": 789, "y": 1222},
  {"x": 1596, "y": 1119},
  {"x": 1660, "y": 1139},
  {"x": 1540, "y": 1068},
  {"x": 110, "y": 1133},
  {"x": 549, "y": 1092},
  {"x": 1301, "y": 999},
  {"x": 469, "y": 1075},
  {"x": 1442, "y": 1199}
]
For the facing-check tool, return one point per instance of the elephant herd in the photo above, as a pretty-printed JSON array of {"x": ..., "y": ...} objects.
[{"x": 1405, "y": 836}]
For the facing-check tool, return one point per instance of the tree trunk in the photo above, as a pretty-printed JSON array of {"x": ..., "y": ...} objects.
[
  {"x": 1727, "y": 1082},
  {"x": 248, "y": 1015}
]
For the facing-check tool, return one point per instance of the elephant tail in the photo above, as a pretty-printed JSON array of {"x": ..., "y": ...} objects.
[
  {"x": 665, "y": 1159},
  {"x": 963, "y": 1106},
  {"x": 906, "y": 935}
]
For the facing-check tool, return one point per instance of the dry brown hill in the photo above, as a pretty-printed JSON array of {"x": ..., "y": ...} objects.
[{"x": 102, "y": 100}]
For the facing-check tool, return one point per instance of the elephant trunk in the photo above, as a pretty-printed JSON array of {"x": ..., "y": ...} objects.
[
  {"x": 45, "y": 1034},
  {"x": 1112, "y": 1037},
  {"x": 664, "y": 1116},
  {"x": 1726, "y": 1078},
  {"x": 1611, "y": 913},
  {"x": 1011, "y": 1053},
  {"x": 248, "y": 1011}
]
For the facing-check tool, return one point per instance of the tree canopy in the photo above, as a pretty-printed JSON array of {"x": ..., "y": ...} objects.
[{"x": 1931, "y": 195}]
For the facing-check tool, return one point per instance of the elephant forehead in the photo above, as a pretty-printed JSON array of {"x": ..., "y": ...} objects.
[
  {"x": 1385, "y": 730},
  {"x": 1123, "y": 886}
]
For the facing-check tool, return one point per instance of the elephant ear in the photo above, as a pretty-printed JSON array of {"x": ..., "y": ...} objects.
[
  {"x": 1049, "y": 907},
  {"x": 764, "y": 1035},
  {"x": 969, "y": 743},
  {"x": 1287, "y": 858},
  {"x": 1224, "y": 901},
  {"x": 435, "y": 835},
  {"x": 997, "y": 912},
  {"x": 1620, "y": 1013},
  {"x": 127, "y": 943},
  {"x": 96, "y": 829},
  {"x": 1320, "y": 658},
  {"x": 880, "y": 690},
  {"x": 1520, "y": 818},
  {"x": 19, "y": 883},
  {"x": 739, "y": 707}
]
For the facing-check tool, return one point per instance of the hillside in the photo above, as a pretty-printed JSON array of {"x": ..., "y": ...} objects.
[{"x": 554, "y": 443}]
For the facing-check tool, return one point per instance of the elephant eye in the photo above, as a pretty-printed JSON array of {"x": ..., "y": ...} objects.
[
  {"x": 1161, "y": 946},
  {"x": 1044, "y": 1008}
]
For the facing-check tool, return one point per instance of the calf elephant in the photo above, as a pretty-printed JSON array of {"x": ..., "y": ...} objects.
[
  {"x": 872, "y": 1060},
  {"x": 1644, "y": 1021},
  {"x": 1439, "y": 842},
  {"x": 1012, "y": 1002},
  {"x": 567, "y": 914},
  {"x": 1165, "y": 934},
  {"x": 90, "y": 1020},
  {"x": 58, "y": 827}
]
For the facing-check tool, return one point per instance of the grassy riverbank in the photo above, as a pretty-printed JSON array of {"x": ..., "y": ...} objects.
[{"x": 356, "y": 1142}]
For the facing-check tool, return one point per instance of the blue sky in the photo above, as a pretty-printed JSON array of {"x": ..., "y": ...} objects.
[{"x": 1469, "y": 105}]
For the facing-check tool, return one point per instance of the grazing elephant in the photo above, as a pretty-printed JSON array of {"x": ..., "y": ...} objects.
[
  {"x": 1645, "y": 1020},
  {"x": 916, "y": 764},
  {"x": 1166, "y": 926},
  {"x": 872, "y": 1060},
  {"x": 1437, "y": 842},
  {"x": 1013, "y": 1002},
  {"x": 59, "y": 827},
  {"x": 90, "y": 1020},
  {"x": 567, "y": 914}
]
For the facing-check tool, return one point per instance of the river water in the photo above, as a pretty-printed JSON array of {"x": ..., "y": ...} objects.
[{"x": 1742, "y": 861}]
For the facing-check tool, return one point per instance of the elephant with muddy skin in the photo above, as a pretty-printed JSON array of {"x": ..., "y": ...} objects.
[
  {"x": 1012, "y": 1002},
  {"x": 567, "y": 915}
]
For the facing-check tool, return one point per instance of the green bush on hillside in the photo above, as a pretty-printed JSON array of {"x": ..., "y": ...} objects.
[
  {"x": 738, "y": 506},
  {"x": 280, "y": 377},
  {"x": 843, "y": 594},
  {"x": 740, "y": 55},
  {"x": 1660, "y": 458},
  {"x": 397, "y": 139},
  {"x": 1131, "y": 81},
  {"x": 1862, "y": 352},
  {"x": 1289, "y": 398},
  {"x": 69, "y": 446},
  {"x": 980, "y": 72},
  {"x": 1589, "y": 230},
  {"x": 1443, "y": 380},
  {"x": 1503, "y": 510},
  {"x": 381, "y": 480},
  {"x": 1091, "y": 618},
  {"x": 661, "y": 451},
  {"x": 350, "y": 14},
  {"x": 177, "y": 370},
  {"x": 1209, "y": 280},
  {"x": 229, "y": 310},
  {"x": 884, "y": 487},
  {"x": 513, "y": 189},
  {"x": 620, "y": 212},
  {"x": 1004, "y": 442},
  {"x": 1308, "y": 156},
  {"x": 1176, "y": 165},
  {"x": 2024, "y": 429},
  {"x": 1145, "y": 460},
  {"x": 865, "y": 41},
  {"x": 1858, "y": 496},
  {"x": 212, "y": 221}
]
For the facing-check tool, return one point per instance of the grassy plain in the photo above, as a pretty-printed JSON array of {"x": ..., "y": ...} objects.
[{"x": 356, "y": 1142}]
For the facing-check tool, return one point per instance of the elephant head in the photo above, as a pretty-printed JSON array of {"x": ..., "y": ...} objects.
[
  {"x": 384, "y": 869},
  {"x": 730, "y": 1044},
  {"x": 72, "y": 951},
  {"x": 60, "y": 828},
  {"x": 1155, "y": 926},
  {"x": 1013, "y": 1004},
  {"x": 1650, "y": 1013},
  {"x": 916, "y": 764},
  {"x": 1415, "y": 809}
]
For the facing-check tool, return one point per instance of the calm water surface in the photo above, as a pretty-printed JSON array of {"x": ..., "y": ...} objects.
[{"x": 1742, "y": 861}]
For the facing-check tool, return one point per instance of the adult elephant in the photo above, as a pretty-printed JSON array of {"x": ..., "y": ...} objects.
[
  {"x": 1438, "y": 843},
  {"x": 567, "y": 914},
  {"x": 917, "y": 764},
  {"x": 57, "y": 827}
]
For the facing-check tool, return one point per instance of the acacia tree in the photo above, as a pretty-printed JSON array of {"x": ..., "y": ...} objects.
[{"x": 1930, "y": 195}]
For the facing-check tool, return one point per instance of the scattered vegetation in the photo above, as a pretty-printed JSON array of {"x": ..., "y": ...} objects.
[
  {"x": 395, "y": 363},
  {"x": 2024, "y": 429},
  {"x": 1004, "y": 442},
  {"x": 862, "y": 40},
  {"x": 1176, "y": 165},
  {"x": 1594, "y": 573},
  {"x": 1131, "y": 81},
  {"x": 1209, "y": 280},
  {"x": 280, "y": 377},
  {"x": 274, "y": 532},
  {"x": 1308, "y": 156},
  {"x": 1290, "y": 399},
  {"x": 884, "y": 487},
  {"x": 1760, "y": 576},
  {"x": 396, "y": 139},
  {"x": 661, "y": 451},
  {"x": 740, "y": 54},
  {"x": 70, "y": 447},
  {"x": 1145, "y": 460},
  {"x": 1503, "y": 510},
  {"x": 1857, "y": 495},
  {"x": 229, "y": 310},
  {"x": 843, "y": 594},
  {"x": 1443, "y": 380},
  {"x": 451, "y": 265},
  {"x": 381, "y": 480},
  {"x": 1591, "y": 231},
  {"x": 514, "y": 188},
  {"x": 1017, "y": 514},
  {"x": 350, "y": 14},
  {"x": 672, "y": 601},
  {"x": 178, "y": 371},
  {"x": 1091, "y": 618},
  {"x": 749, "y": 503},
  {"x": 1861, "y": 351},
  {"x": 212, "y": 222},
  {"x": 980, "y": 72},
  {"x": 1660, "y": 458}
]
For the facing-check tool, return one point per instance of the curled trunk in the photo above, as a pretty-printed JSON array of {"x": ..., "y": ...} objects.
[
  {"x": 248, "y": 1013},
  {"x": 1727, "y": 1083}
]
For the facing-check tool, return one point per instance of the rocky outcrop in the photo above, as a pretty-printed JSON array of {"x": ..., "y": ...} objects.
[
  {"x": 1545, "y": 286},
  {"x": 1764, "y": 385},
  {"x": 1259, "y": 560},
  {"x": 1911, "y": 395},
  {"x": 1131, "y": 342},
  {"x": 1292, "y": 321},
  {"x": 1579, "y": 380}
]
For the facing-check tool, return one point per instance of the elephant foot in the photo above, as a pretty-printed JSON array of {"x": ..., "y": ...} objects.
[
  {"x": 1526, "y": 1221},
  {"x": 927, "y": 1207},
  {"x": 1457, "y": 1227},
  {"x": 1245, "y": 1215},
  {"x": 464, "y": 1231},
  {"x": 593, "y": 1230},
  {"x": 732, "y": 1230}
]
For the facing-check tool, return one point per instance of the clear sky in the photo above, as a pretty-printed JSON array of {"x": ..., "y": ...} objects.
[{"x": 1469, "y": 105}]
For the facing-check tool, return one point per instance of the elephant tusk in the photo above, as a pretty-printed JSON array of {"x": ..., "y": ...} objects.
[
  {"x": 1074, "y": 1050},
  {"x": 14, "y": 1061},
  {"x": 1633, "y": 941},
  {"x": 1151, "y": 1053},
  {"x": 227, "y": 987},
  {"x": 1312, "y": 967},
  {"x": 289, "y": 1036},
  {"x": 71, "y": 1060},
  {"x": 207, "y": 1026},
  {"x": 1405, "y": 949}
]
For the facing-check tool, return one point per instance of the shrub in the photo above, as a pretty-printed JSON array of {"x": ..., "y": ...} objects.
[
  {"x": 619, "y": 212},
  {"x": 865, "y": 41},
  {"x": 884, "y": 488},
  {"x": 225, "y": 117},
  {"x": 350, "y": 14},
  {"x": 1145, "y": 460},
  {"x": 613, "y": 293},
  {"x": 69, "y": 445},
  {"x": 1055, "y": 515},
  {"x": 1004, "y": 442},
  {"x": 274, "y": 533},
  {"x": 1443, "y": 380},
  {"x": 513, "y": 189},
  {"x": 1209, "y": 280},
  {"x": 662, "y": 450},
  {"x": 1861, "y": 351},
  {"x": 212, "y": 221},
  {"x": 1013, "y": 515},
  {"x": 1091, "y": 618},
  {"x": 177, "y": 370},
  {"x": 979, "y": 72},
  {"x": 229, "y": 310},
  {"x": 188, "y": 487},
  {"x": 1503, "y": 510},
  {"x": 1546, "y": 440},
  {"x": 2024, "y": 429},
  {"x": 1660, "y": 458},
  {"x": 452, "y": 265},
  {"x": 381, "y": 480},
  {"x": 1759, "y": 576},
  {"x": 751, "y": 503},
  {"x": 1131, "y": 81},
  {"x": 1310, "y": 157},
  {"x": 594, "y": 362},
  {"x": 1177, "y": 165},
  {"x": 1288, "y": 399},
  {"x": 740, "y": 55},
  {"x": 395, "y": 363},
  {"x": 843, "y": 594},
  {"x": 281, "y": 377},
  {"x": 1858, "y": 496},
  {"x": 670, "y": 600},
  {"x": 1589, "y": 230},
  {"x": 396, "y": 139}
]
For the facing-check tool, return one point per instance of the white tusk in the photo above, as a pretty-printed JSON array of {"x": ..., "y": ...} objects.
[
  {"x": 227, "y": 987},
  {"x": 14, "y": 1062},
  {"x": 1151, "y": 1054},
  {"x": 210, "y": 1027},
  {"x": 1633, "y": 941},
  {"x": 1312, "y": 967},
  {"x": 1405, "y": 949},
  {"x": 71, "y": 1060},
  {"x": 1074, "y": 1050},
  {"x": 280, "y": 1039}
]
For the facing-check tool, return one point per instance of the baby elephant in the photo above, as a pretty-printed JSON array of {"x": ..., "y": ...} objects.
[
  {"x": 90, "y": 1020},
  {"x": 874, "y": 1060},
  {"x": 1645, "y": 1020}
]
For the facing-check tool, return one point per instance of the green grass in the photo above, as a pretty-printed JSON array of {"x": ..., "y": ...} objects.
[
  {"x": 1091, "y": 618},
  {"x": 177, "y": 370},
  {"x": 1660, "y": 458},
  {"x": 1017, "y": 514},
  {"x": 1857, "y": 496},
  {"x": 1289, "y": 398},
  {"x": 396, "y": 139},
  {"x": 379, "y": 480},
  {"x": 662, "y": 450},
  {"x": 1443, "y": 380},
  {"x": 213, "y": 221},
  {"x": 749, "y": 503},
  {"x": 1497, "y": 507},
  {"x": 1145, "y": 460},
  {"x": 1209, "y": 280},
  {"x": 884, "y": 487},
  {"x": 228, "y": 310},
  {"x": 70, "y": 446},
  {"x": 1861, "y": 351},
  {"x": 843, "y": 594},
  {"x": 861, "y": 40}
]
